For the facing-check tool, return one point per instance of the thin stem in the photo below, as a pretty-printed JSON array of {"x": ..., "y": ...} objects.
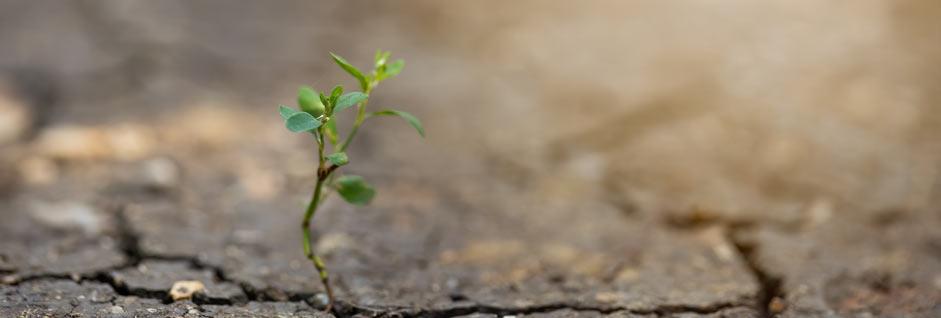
[
  {"x": 320, "y": 145},
  {"x": 360, "y": 117},
  {"x": 322, "y": 175}
]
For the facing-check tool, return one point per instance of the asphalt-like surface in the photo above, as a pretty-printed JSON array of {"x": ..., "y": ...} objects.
[{"x": 671, "y": 164}]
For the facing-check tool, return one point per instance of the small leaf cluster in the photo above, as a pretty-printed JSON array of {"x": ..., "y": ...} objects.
[
  {"x": 317, "y": 109},
  {"x": 317, "y": 114},
  {"x": 382, "y": 69}
]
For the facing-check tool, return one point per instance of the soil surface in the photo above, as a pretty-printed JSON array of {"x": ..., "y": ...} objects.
[{"x": 610, "y": 160}]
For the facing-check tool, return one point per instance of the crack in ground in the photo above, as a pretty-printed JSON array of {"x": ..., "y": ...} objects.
[
  {"x": 251, "y": 293},
  {"x": 348, "y": 310},
  {"x": 771, "y": 291},
  {"x": 769, "y": 297},
  {"x": 108, "y": 277},
  {"x": 129, "y": 241},
  {"x": 129, "y": 244}
]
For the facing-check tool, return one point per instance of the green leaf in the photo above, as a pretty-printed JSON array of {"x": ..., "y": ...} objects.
[
  {"x": 412, "y": 120},
  {"x": 338, "y": 158},
  {"x": 349, "y": 99},
  {"x": 331, "y": 131},
  {"x": 324, "y": 99},
  {"x": 286, "y": 111},
  {"x": 306, "y": 96},
  {"x": 301, "y": 121},
  {"x": 363, "y": 82},
  {"x": 394, "y": 68},
  {"x": 335, "y": 94},
  {"x": 307, "y": 100},
  {"x": 382, "y": 57},
  {"x": 354, "y": 189}
]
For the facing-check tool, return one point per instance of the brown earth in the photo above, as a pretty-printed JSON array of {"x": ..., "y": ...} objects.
[{"x": 625, "y": 159}]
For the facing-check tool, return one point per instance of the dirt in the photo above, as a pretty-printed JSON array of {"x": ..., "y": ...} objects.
[{"x": 660, "y": 160}]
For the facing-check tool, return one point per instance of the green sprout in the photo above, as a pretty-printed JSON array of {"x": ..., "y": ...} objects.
[{"x": 318, "y": 116}]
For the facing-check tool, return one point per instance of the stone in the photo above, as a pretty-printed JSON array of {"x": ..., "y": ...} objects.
[
  {"x": 185, "y": 289},
  {"x": 117, "y": 310},
  {"x": 154, "y": 277},
  {"x": 64, "y": 298}
]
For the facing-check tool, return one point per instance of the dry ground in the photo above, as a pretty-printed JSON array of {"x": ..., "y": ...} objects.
[{"x": 626, "y": 159}]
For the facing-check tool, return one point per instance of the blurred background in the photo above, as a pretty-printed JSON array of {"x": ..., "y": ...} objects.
[{"x": 741, "y": 108}]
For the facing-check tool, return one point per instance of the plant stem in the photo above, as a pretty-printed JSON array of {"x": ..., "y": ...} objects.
[
  {"x": 322, "y": 174},
  {"x": 360, "y": 117}
]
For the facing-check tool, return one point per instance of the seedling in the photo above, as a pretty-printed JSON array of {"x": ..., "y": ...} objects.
[{"x": 318, "y": 115}]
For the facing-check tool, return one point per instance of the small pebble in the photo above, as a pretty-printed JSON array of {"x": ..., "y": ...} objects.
[
  {"x": 117, "y": 310},
  {"x": 184, "y": 289},
  {"x": 99, "y": 297},
  {"x": 777, "y": 305},
  {"x": 324, "y": 300}
]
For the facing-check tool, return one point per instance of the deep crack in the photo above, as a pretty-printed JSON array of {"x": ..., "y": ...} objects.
[
  {"x": 770, "y": 290},
  {"x": 129, "y": 243},
  {"x": 770, "y": 284},
  {"x": 128, "y": 240},
  {"x": 348, "y": 310}
]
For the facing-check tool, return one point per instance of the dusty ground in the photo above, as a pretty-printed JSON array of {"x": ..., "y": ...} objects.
[{"x": 643, "y": 159}]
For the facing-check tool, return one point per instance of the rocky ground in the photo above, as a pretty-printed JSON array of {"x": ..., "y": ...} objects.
[{"x": 682, "y": 160}]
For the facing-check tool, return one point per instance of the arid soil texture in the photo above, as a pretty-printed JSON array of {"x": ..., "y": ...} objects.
[{"x": 598, "y": 159}]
